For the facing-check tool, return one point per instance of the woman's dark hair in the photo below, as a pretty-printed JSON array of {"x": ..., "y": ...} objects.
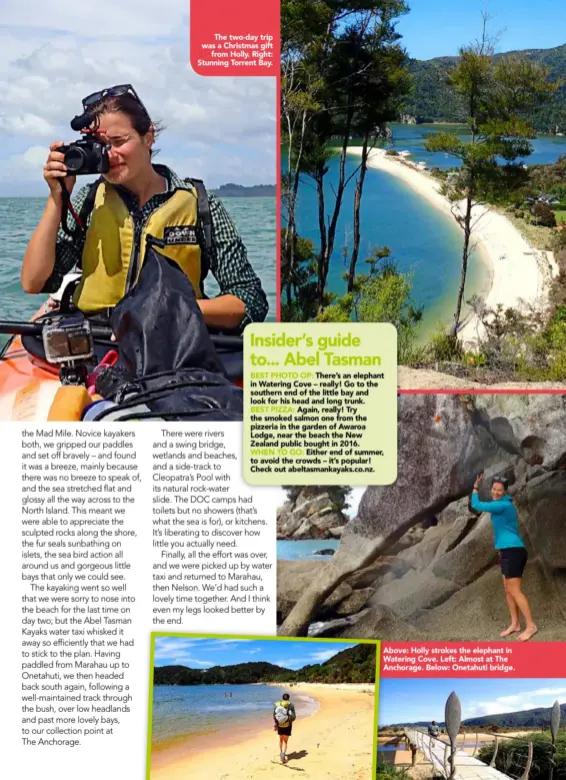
[
  {"x": 128, "y": 105},
  {"x": 286, "y": 697},
  {"x": 502, "y": 481}
]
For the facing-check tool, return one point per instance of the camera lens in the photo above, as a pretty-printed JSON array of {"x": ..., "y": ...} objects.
[{"x": 75, "y": 158}]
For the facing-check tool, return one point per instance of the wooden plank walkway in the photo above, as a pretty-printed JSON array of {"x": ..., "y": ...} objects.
[{"x": 467, "y": 768}]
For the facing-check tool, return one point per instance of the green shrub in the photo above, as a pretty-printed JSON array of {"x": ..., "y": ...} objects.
[
  {"x": 444, "y": 347},
  {"x": 386, "y": 771},
  {"x": 558, "y": 240},
  {"x": 392, "y": 153},
  {"x": 512, "y": 755},
  {"x": 382, "y": 295},
  {"x": 543, "y": 214}
]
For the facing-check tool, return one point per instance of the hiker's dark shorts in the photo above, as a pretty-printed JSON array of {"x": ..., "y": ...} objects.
[
  {"x": 284, "y": 731},
  {"x": 512, "y": 561}
]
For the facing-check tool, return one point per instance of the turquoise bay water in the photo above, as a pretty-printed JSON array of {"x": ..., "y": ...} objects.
[
  {"x": 180, "y": 711},
  {"x": 305, "y": 549},
  {"x": 255, "y": 219},
  {"x": 423, "y": 240}
]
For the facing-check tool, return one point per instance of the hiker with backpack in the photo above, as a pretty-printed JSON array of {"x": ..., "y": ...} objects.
[
  {"x": 283, "y": 717},
  {"x": 102, "y": 231}
]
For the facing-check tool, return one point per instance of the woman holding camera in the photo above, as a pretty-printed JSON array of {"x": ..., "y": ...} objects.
[
  {"x": 135, "y": 198},
  {"x": 512, "y": 553}
]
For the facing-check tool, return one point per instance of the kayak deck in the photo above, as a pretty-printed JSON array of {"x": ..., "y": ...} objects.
[
  {"x": 28, "y": 383},
  {"x": 27, "y": 386}
]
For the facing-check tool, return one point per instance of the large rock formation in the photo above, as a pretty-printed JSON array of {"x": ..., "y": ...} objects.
[
  {"x": 315, "y": 513},
  {"x": 444, "y": 441}
]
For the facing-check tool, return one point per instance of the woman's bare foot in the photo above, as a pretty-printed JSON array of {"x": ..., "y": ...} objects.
[
  {"x": 511, "y": 630},
  {"x": 527, "y": 633}
]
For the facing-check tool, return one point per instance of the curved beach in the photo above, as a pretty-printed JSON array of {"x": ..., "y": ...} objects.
[
  {"x": 518, "y": 273},
  {"x": 333, "y": 743}
]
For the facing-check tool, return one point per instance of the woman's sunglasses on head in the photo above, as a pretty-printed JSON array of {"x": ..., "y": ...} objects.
[{"x": 122, "y": 89}]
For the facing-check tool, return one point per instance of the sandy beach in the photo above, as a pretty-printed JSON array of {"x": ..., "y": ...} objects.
[
  {"x": 518, "y": 273},
  {"x": 333, "y": 743}
]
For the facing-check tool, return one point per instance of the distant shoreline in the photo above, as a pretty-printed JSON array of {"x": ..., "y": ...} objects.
[
  {"x": 238, "y": 195},
  {"x": 240, "y": 191},
  {"x": 216, "y": 193}
]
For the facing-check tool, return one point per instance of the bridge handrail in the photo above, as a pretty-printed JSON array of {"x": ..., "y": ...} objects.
[
  {"x": 453, "y": 714},
  {"x": 497, "y": 738},
  {"x": 417, "y": 735}
]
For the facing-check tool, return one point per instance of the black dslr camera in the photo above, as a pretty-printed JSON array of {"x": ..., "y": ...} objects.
[{"x": 87, "y": 155}]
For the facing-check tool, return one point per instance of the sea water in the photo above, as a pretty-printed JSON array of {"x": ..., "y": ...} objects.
[
  {"x": 305, "y": 549},
  {"x": 190, "y": 710},
  {"x": 424, "y": 241},
  {"x": 255, "y": 220}
]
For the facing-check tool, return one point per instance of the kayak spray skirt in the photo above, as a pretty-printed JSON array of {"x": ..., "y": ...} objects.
[{"x": 168, "y": 367}]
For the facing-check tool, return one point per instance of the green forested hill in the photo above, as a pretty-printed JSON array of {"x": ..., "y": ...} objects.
[
  {"x": 356, "y": 665},
  {"x": 535, "y": 718},
  {"x": 540, "y": 716},
  {"x": 353, "y": 665},
  {"x": 434, "y": 100},
  {"x": 236, "y": 674}
]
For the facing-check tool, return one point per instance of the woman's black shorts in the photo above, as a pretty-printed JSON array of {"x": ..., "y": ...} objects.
[
  {"x": 512, "y": 561},
  {"x": 285, "y": 731}
]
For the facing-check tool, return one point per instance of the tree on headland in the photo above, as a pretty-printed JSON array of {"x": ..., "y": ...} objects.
[
  {"x": 342, "y": 74},
  {"x": 499, "y": 96}
]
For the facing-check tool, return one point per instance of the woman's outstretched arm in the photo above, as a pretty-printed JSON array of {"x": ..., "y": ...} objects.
[{"x": 494, "y": 507}]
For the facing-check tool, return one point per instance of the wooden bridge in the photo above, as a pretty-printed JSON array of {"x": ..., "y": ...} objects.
[
  {"x": 438, "y": 752},
  {"x": 453, "y": 763}
]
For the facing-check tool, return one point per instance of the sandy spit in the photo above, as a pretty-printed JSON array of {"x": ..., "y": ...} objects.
[{"x": 519, "y": 274}]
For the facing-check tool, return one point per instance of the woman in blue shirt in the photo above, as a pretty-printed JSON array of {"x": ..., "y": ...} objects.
[{"x": 512, "y": 552}]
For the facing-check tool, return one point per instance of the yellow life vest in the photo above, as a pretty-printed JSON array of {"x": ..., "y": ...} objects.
[{"x": 113, "y": 254}]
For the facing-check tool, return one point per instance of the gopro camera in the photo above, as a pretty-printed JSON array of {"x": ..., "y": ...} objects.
[{"x": 67, "y": 339}]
